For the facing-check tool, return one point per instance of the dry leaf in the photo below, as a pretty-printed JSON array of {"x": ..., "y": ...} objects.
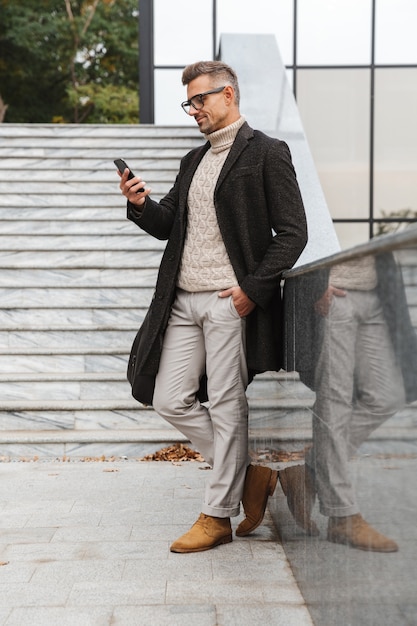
[{"x": 176, "y": 453}]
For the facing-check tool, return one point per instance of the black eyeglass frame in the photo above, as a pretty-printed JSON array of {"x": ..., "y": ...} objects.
[{"x": 189, "y": 103}]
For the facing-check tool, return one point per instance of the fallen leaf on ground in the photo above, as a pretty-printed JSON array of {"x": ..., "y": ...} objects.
[{"x": 175, "y": 453}]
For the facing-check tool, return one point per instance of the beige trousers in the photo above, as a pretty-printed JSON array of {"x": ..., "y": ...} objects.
[
  {"x": 205, "y": 334},
  {"x": 359, "y": 386}
]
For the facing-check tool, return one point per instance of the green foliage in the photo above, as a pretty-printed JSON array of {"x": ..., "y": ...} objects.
[
  {"x": 52, "y": 50},
  {"x": 105, "y": 104}
]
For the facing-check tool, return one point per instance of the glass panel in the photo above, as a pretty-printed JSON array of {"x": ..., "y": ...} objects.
[
  {"x": 169, "y": 93},
  {"x": 334, "y": 108},
  {"x": 290, "y": 78},
  {"x": 346, "y": 449},
  {"x": 395, "y": 31},
  {"x": 179, "y": 37},
  {"x": 395, "y": 142},
  {"x": 391, "y": 227},
  {"x": 269, "y": 17},
  {"x": 331, "y": 32},
  {"x": 351, "y": 234}
]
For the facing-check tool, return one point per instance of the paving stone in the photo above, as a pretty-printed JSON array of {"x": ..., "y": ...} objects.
[{"x": 105, "y": 559}]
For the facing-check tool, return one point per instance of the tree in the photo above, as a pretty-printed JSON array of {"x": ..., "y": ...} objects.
[{"x": 69, "y": 60}]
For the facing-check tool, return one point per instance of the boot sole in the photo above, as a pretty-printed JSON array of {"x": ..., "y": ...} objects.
[
  {"x": 271, "y": 488},
  {"x": 222, "y": 541}
]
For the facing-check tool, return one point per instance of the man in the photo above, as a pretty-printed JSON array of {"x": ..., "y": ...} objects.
[
  {"x": 214, "y": 319},
  {"x": 358, "y": 353}
]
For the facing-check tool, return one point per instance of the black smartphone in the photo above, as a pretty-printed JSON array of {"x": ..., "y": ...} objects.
[{"x": 121, "y": 166}]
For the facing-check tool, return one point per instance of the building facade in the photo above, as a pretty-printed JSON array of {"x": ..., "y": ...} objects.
[{"x": 352, "y": 65}]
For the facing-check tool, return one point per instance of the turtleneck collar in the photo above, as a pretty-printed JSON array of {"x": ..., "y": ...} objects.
[{"x": 223, "y": 138}]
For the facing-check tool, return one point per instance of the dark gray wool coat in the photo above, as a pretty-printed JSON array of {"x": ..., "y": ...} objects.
[{"x": 262, "y": 221}]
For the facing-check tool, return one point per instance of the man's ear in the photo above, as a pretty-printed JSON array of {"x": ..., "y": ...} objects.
[{"x": 229, "y": 94}]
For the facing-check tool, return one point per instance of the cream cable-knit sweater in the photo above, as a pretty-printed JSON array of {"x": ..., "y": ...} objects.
[
  {"x": 357, "y": 274},
  {"x": 205, "y": 264}
]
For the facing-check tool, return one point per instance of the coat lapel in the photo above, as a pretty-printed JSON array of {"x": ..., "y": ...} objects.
[
  {"x": 240, "y": 144},
  {"x": 190, "y": 171}
]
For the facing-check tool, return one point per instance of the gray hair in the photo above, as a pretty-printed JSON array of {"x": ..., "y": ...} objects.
[{"x": 221, "y": 73}]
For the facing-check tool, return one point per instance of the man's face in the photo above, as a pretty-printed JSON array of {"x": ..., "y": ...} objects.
[{"x": 217, "y": 110}]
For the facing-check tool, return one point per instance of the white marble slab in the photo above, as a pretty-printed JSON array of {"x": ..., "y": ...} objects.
[
  {"x": 36, "y": 421},
  {"x": 66, "y": 451},
  {"x": 60, "y": 198},
  {"x": 78, "y": 277},
  {"x": 80, "y": 258},
  {"x": 63, "y": 362},
  {"x": 25, "y": 298},
  {"x": 135, "y": 240},
  {"x": 116, "y": 213},
  {"x": 141, "y": 419},
  {"x": 64, "y": 390},
  {"x": 77, "y": 141},
  {"x": 107, "y": 362},
  {"x": 61, "y": 227},
  {"x": 21, "y": 390},
  {"x": 118, "y": 133},
  {"x": 92, "y": 171},
  {"x": 137, "y": 420},
  {"x": 56, "y": 318}
]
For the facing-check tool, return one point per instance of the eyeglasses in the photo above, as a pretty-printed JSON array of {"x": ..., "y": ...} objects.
[{"x": 197, "y": 102}]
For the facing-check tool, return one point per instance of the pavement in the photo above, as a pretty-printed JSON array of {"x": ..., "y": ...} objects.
[
  {"x": 346, "y": 587},
  {"x": 86, "y": 543}
]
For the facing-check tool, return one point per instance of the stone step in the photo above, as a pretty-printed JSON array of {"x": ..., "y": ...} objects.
[
  {"x": 50, "y": 196},
  {"x": 86, "y": 156},
  {"x": 48, "y": 406},
  {"x": 92, "y": 169},
  {"x": 106, "y": 144},
  {"x": 86, "y": 445},
  {"x": 262, "y": 393},
  {"x": 55, "y": 318},
  {"x": 84, "y": 340},
  {"x": 93, "y": 131},
  {"x": 79, "y": 258},
  {"x": 162, "y": 170},
  {"x": 68, "y": 227},
  {"x": 75, "y": 297},
  {"x": 125, "y": 136},
  {"x": 130, "y": 443},
  {"x": 72, "y": 278},
  {"x": 75, "y": 283},
  {"x": 20, "y": 361},
  {"x": 69, "y": 215},
  {"x": 130, "y": 241},
  {"x": 87, "y": 191}
]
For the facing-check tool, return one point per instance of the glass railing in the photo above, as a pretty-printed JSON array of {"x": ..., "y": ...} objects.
[{"x": 344, "y": 429}]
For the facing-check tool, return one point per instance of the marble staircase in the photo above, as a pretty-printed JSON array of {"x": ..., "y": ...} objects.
[{"x": 76, "y": 278}]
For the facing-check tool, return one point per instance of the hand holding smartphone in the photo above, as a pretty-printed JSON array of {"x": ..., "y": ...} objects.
[{"x": 121, "y": 166}]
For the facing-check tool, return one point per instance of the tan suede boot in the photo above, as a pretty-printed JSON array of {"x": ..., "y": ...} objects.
[
  {"x": 260, "y": 483},
  {"x": 354, "y": 531},
  {"x": 207, "y": 532},
  {"x": 298, "y": 485}
]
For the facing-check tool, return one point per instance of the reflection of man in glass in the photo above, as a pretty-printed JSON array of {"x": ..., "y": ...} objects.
[{"x": 359, "y": 342}]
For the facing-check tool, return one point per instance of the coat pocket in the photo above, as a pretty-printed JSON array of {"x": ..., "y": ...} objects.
[{"x": 142, "y": 384}]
